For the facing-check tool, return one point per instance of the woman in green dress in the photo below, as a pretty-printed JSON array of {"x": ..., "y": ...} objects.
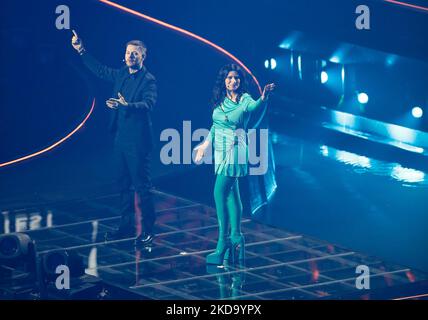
[{"x": 232, "y": 108}]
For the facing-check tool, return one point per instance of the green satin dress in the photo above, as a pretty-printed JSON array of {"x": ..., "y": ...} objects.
[{"x": 229, "y": 137}]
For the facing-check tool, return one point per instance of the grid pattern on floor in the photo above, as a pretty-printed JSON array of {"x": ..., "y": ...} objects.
[{"x": 278, "y": 265}]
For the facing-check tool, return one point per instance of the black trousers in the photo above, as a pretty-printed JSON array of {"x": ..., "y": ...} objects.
[{"x": 136, "y": 199}]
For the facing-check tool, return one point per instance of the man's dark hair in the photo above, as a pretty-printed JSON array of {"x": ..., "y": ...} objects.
[{"x": 137, "y": 43}]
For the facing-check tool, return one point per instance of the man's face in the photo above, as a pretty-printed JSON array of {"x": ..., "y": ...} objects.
[{"x": 134, "y": 56}]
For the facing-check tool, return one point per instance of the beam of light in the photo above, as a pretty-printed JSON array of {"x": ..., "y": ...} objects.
[
  {"x": 409, "y": 5},
  {"x": 288, "y": 42},
  {"x": 183, "y": 31},
  {"x": 4, "y": 164}
]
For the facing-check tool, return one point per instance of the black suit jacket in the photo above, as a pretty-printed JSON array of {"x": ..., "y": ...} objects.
[{"x": 134, "y": 125}]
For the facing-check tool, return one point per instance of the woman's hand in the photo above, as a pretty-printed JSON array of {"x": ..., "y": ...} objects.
[
  {"x": 76, "y": 42},
  {"x": 267, "y": 90},
  {"x": 112, "y": 104},
  {"x": 200, "y": 151}
]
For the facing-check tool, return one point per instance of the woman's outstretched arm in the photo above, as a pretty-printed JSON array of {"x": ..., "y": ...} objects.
[{"x": 255, "y": 104}]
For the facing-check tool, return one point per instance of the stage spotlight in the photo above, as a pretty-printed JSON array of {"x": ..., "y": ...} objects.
[
  {"x": 18, "y": 260},
  {"x": 324, "y": 77},
  {"x": 335, "y": 59},
  {"x": 267, "y": 64},
  {"x": 417, "y": 112},
  {"x": 79, "y": 285},
  {"x": 299, "y": 66},
  {"x": 391, "y": 60},
  {"x": 272, "y": 63},
  {"x": 14, "y": 248},
  {"x": 363, "y": 97}
]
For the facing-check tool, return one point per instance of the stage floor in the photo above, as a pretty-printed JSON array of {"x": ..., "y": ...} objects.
[{"x": 278, "y": 265}]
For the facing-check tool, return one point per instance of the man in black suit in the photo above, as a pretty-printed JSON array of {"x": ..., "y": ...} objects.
[{"x": 135, "y": 93}]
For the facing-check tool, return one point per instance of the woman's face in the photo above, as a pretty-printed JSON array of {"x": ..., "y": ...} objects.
[{"x": 232, "y": 81}]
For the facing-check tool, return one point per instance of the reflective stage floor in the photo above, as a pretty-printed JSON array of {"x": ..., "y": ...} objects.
[{"x": 279, "y": 264}]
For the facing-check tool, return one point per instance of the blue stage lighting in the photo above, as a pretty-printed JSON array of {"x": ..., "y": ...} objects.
[
  {"x": 324, "y": 77},
  {"x": 272, "y": 63},
  {"x": 417, "y": 112},
  {"x": 363, "y": 98},
  {"x": 335, "y": 59}
]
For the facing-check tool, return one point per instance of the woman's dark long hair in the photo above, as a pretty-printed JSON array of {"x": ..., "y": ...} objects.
[{"x": 219, "y": 91}]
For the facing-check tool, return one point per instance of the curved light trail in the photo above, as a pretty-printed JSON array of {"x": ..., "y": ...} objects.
[
  {"x": 4, "y": 164},
  {"x": 183, "y": 31}
]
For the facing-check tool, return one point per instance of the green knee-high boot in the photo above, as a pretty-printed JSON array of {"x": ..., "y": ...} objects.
[
  {"x": 234, "y": 208},
  {"x": 221, "y": 191}
]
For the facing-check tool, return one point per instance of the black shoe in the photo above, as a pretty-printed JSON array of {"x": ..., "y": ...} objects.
[
  {"x": 144, "y": 240},
  {"x": 118, "y": 234}
]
